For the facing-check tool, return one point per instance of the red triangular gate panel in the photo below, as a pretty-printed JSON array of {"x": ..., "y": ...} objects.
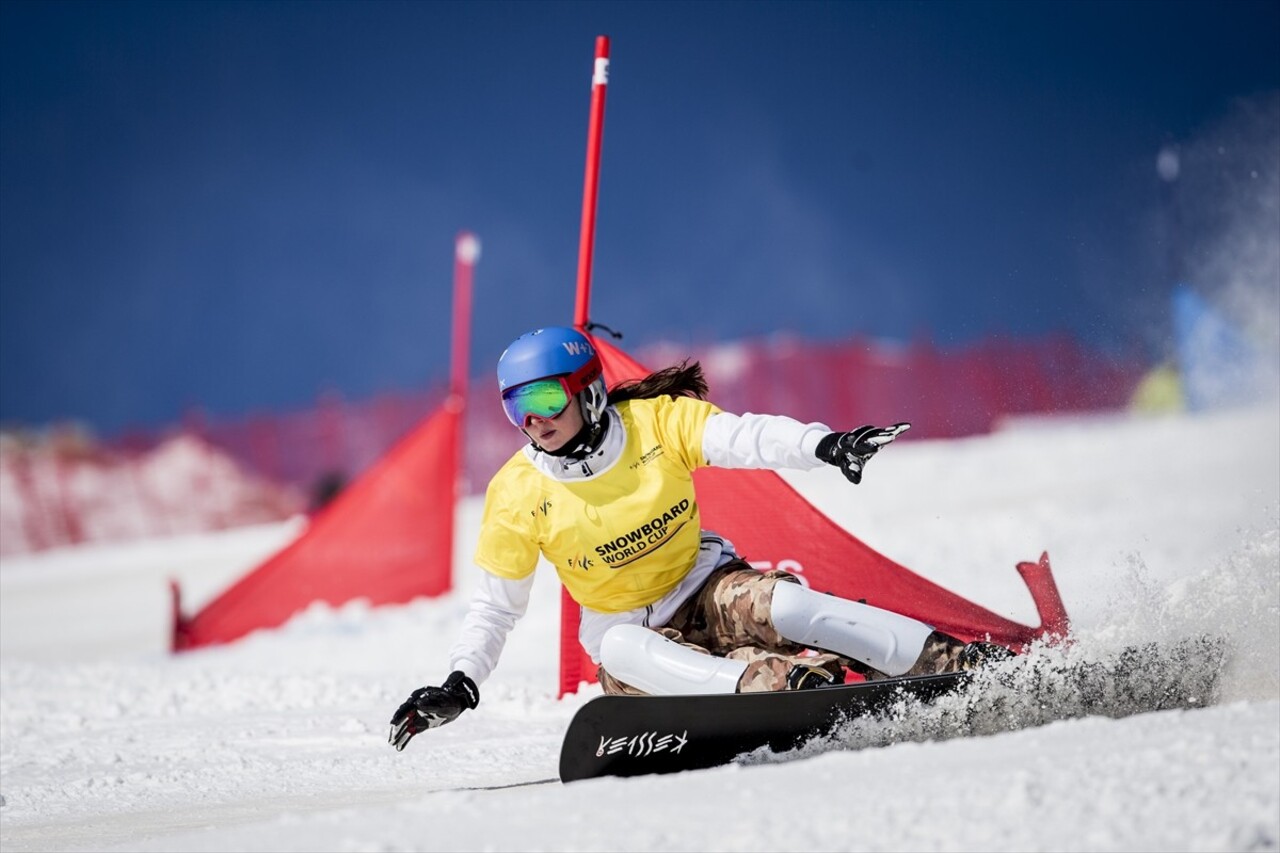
[
  {"x": 387, "y": 538},
  {"x": 770, "y": 523}
]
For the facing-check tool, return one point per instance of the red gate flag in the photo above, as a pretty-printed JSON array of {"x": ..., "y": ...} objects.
[
  {"x": 387, "y": 538},
  {"x": 772, "y": 525}
]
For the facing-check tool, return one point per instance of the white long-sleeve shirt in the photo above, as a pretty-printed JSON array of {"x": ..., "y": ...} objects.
[{"x": 728, "y": 441}]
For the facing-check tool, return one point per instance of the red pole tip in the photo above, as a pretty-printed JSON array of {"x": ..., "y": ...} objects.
[{"x": 602, "y": 46}]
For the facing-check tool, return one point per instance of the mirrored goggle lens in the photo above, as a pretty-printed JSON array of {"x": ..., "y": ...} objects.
[{"x": 545, "y": 399}]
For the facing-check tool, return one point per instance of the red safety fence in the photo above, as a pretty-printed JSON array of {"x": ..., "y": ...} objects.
[
  {"x": 307, "y": 456},
  {"x": 943, "y": 393},
  {"x": 315, "y": 450},
  {"x": 64, "y": 489}
]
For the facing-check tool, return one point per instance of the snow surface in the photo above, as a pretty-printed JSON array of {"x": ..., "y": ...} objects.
[{"x": 1157, "y": 529}]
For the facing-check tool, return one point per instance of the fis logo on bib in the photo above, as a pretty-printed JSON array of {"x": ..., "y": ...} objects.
[
  {"x": 651, "y": 535},
  {"x": 582, "y": 562}
]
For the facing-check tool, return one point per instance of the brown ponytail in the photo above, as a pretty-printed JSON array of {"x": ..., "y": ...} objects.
[{"x": 681, "y": 380}]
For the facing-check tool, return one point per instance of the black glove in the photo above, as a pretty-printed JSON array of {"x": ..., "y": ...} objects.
[
  {"x": 431, "y": 707},
  {"x": 851, "y": 450}
]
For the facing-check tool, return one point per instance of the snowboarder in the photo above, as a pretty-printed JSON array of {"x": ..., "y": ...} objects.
[{"x": 604, "y": 492}]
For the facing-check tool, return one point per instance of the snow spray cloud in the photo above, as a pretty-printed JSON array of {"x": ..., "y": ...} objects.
[
  {"x": 1199, "y": 640},
  {"x": 1044, "y": 685},
  {"x": 1236, "y": 600},
  {"x": 1224, "y": 187}
]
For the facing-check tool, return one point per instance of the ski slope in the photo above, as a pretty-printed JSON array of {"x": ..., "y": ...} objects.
[{"x": 1157, "y": 528}]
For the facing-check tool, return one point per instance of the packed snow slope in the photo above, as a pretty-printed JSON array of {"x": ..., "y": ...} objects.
[{"x": 1157, "y": 529}]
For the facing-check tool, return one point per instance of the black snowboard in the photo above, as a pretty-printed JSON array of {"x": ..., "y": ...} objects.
[{"x": 634, "y": 735}]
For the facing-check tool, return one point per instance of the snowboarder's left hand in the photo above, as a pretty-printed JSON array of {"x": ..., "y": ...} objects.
[
  {"x": 851, "y": 450},
  {"x": 431, "y": 707}
]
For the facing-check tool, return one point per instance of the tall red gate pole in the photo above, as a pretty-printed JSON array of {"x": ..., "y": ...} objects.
[
  {"x": 570, "y": 613},
  {"x": 591, "y": 183}
]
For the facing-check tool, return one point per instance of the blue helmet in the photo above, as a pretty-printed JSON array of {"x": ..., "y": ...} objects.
[{"x": 557, "y": 351}]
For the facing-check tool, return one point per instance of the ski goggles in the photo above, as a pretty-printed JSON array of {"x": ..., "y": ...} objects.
[{"x": 546, "y": 398}]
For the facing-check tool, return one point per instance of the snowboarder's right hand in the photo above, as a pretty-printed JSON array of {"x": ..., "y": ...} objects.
[{"x": 431, "y": 707}]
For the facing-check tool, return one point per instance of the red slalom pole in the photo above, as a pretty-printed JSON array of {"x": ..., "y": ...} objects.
[
  {"x": 570, "y": 614},
  {"x": 591, "y": 183}
]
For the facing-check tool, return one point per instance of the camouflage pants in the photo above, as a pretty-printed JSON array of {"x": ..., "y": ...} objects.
[{"x": 729, "y": 617}]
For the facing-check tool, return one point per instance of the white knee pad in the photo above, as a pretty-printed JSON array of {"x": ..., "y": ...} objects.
[
  {"x": 650, "y": 662},
  {"x": 883, "y": 640}
]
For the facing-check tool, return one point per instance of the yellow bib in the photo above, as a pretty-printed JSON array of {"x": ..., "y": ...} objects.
[{"x": 619, "y": 540}]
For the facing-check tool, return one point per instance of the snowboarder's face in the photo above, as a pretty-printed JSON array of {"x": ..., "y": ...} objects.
[{"x": 552, "y": 433}]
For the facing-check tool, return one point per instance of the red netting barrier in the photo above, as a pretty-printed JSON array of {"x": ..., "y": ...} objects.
[
  {"x": 307, "y": 456},
  {"x": 65, "y": 489},
  {"x": 944, "y": 393}
]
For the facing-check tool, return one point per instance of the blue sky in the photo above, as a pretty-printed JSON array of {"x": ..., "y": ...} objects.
[{"x": 240, "y": 205}]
